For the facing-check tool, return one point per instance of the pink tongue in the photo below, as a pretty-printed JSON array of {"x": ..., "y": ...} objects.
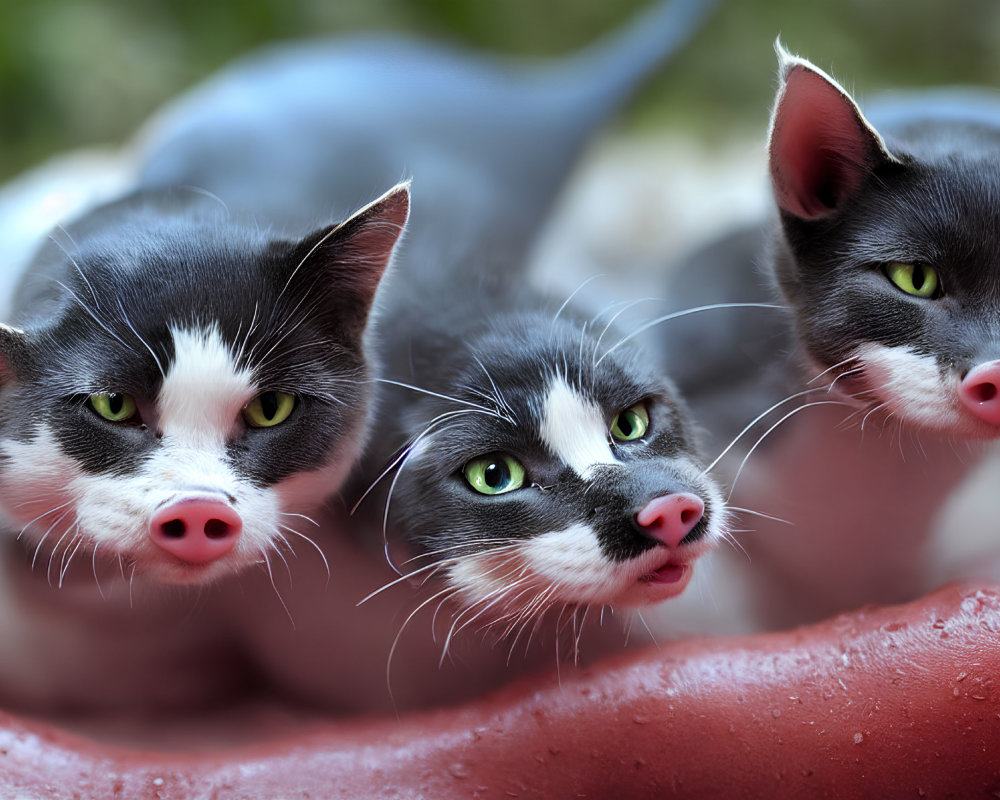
[{"x": 671, "y": 573}]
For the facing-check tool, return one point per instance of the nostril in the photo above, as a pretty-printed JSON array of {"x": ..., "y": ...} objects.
[
  {"x": 983, "y": 392},
  {"x": 689, "y": 516},
  {"x": 174, "y": 528},
  {"x": 217, "y": 529}
]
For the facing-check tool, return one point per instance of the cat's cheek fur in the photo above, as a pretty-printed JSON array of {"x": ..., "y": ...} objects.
[
  {"x": 55, "y": 505},
  {"x": 570, "y": 566},
  {"x": 34, "y": 481},
  {"x": 914, "y": 389}
]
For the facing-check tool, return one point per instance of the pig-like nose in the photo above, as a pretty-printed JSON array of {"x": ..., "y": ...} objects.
[
  {"x": 670, "y": 517},
  {"x": 979, "y": 391},
  {"x": 196, "y": 529}
]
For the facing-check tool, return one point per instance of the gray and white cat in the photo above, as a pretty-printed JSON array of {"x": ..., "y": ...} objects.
[
  {"x": 890, "y": 369},
  {"x": 545, "y": 463},
  {"x": 181, "y": 389},
  {"x": 179, "y": 385}
]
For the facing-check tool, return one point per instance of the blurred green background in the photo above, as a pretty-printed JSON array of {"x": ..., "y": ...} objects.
[{"x": 80, "y": 72}]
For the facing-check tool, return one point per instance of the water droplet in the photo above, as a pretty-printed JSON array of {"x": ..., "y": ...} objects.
[
  {"x": 775, "y": 713},
  {"x": 961, "y": 675},
  {"x": 458, "y": 770},
  {"x": 157, "y": 781},
  {"x": 640, "y": 720},
  {"x": 858, "y": 738}
]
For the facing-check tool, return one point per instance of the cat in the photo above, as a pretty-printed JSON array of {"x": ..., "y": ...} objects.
[
  {"x": 181, "y": 388},
  {"x": 489, "y": 146},
  {"x": 546, "y": 464},
  {"x": 884, "y": 371}
]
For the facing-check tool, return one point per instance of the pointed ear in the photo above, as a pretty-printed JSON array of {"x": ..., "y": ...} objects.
[
  {"x": 355, "y": 253},
  {"x": 13, "y": 353},
  {"x": 821, "y": 148}
]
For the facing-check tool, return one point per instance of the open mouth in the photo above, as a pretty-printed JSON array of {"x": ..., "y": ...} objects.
[{"x": 668, "y": 573}]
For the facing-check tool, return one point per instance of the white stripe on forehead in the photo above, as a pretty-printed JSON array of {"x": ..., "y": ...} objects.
[
  {"x": 204, "y": 389},
  {"x": 574, "y": 429}
]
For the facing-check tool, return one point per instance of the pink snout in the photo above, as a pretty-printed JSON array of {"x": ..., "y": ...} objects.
[
  {"x": 979, "y": 391},
  {"x": 196, "y": 529},
  {"x": 671, "y": 517}
]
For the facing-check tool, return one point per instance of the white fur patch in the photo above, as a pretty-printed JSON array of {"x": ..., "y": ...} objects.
[
  {"x": 559, "y": 567},
  {"x": 574, "y": 429},
  {"x": 204, "y": 390},
  {"x": 570, "y": 559},
  {"x": 911, "y": 385}
]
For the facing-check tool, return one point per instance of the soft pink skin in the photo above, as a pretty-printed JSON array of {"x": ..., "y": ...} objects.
[
  {"x": 900, "y": 701},
  {"x": 671, "y": 517},
  {"x": 979, "y": 391},
  {"x": 196, "y": 529}
]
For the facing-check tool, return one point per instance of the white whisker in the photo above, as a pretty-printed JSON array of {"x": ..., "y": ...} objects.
[
  {"x": 787, "y": 416},
  {"x": 758, "y": 514},
  {"x": 684, "y": 313},
  {"x": 310, "y": 542},
  {"x": 753, "y": 422}
]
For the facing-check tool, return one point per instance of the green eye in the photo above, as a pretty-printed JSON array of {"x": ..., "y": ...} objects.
[
  {"x": 269, "y": 409},
  {"x": 915, "y": 279},
  {"x": 494, "y": 474},
  {"x": 112, "y": 406},
  {"x": 630, "y": 424}
]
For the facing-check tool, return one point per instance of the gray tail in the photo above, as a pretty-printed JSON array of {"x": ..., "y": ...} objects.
[{"x": 604, "y": 75}]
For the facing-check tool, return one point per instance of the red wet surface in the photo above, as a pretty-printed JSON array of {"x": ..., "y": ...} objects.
[{"x": 900, "y": 701}]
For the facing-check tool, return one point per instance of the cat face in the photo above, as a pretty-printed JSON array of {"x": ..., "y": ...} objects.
[
  {"x": 555, "y": 476},
  {"x": 189, "y": 389},
  {"x": 887, "y": 254}
]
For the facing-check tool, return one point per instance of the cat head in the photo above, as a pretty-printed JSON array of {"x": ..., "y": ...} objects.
[
  {"x": 552, "y": 470},
  {"x": 187, "y": 388},
  {"x": 887, "y": 253}
]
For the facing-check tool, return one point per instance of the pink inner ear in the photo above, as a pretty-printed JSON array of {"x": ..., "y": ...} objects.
[
  {"x": 378, "y": 230},
  {"x": 821, "y": 149}
]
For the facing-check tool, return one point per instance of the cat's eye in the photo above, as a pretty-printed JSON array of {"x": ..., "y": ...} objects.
[
  {"x": 269, "y": 409},
  {"x": 918, "y": 280},
  {"x": 494, "y": 474},
  {"x": 630, "y": 424},
  {"x": 113, "y": 406}
]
